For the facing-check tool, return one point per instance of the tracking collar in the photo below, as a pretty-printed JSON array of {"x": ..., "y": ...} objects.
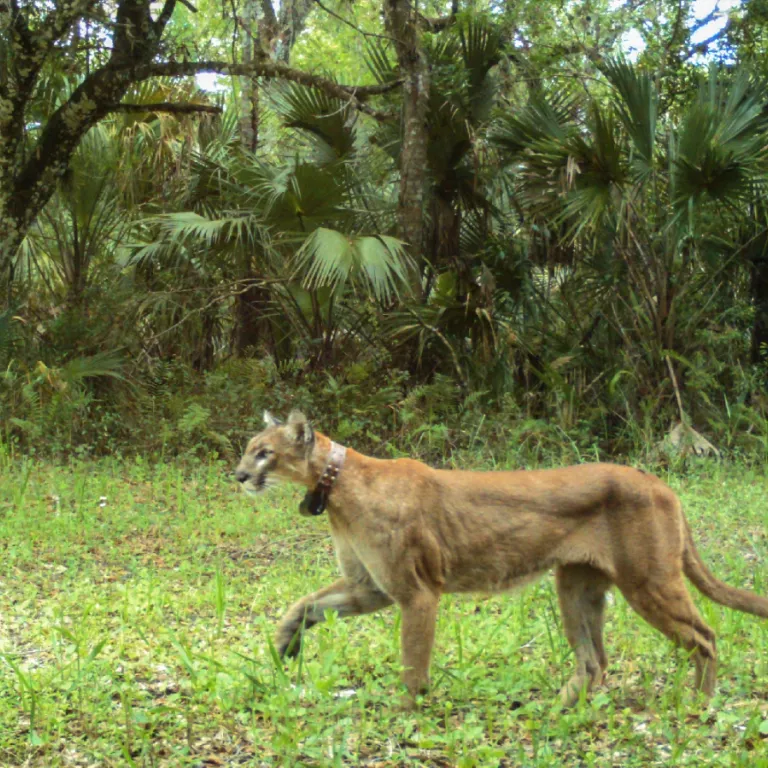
[{"x": 315, "y": 501}]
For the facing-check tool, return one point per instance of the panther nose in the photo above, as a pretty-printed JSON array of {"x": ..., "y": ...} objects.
[{"x": 241, "y": 476}]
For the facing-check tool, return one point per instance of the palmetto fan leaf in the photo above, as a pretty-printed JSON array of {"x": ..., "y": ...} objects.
[
  {"x": 740, "y": 103},
  {"x": 372, "y": 205},
  {"x": 595, "y": 174},
  {"x": 379, "y": 62},
  {"x": 636, "y": 105},
  {"x": 466, "y": 92},
  {"x": 188, "y": 239},
  {"x": 190, "y": 226},
  {"x": 461, "y": 95},
  {"x": 721, "y": 150},
  {"x": 295, "y": 197},
  {"x": 481, "y": 48},
  {"x": 101, "y": 364},
  {"x": 301, "y": 197},
  {"x": 546, "y": 121},
  {"x": 331, "y": 258},
  {"x": 577, "y": 173},
  {"x": 542, "y": 144},
  {"x": 328, "y": 122},
  {"x": 474, "y": 235}
]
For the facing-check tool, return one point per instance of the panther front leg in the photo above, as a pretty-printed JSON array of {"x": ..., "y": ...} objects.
[{"x": 345, "y": 597}]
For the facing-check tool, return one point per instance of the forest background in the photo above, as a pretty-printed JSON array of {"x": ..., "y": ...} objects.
[
  {"x": 434, "y": 227},
  {"x": 486, "y": 234}
]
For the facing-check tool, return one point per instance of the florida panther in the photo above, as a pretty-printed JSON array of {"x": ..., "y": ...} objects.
[{"x": 406, "y": 533}]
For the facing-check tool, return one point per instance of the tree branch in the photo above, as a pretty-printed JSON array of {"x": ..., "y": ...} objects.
[
  {"x": 165, "y": 15},
  {"x": 702, "y": 46},
  {"x": 58, "y": 22},
  {"x": 676, "y": 28},
  {"x": 354, "y": 94},
  {"x": 137, "y": 33},
  {"x": 136, "y": 39},
  {"x": 32, "y": 48},
  {"x": 291, "y": 21},
  {"x": 353, "y": 26},
  {"x": 269, "y": 13},
  {"x": 704, "y": 20},
  {"x": 435, "y": 23},
  {"x": 165, "y": 106},
  {"x": 18, "y": 22},
  {"x": 439, "y": 23},
  {"x": 366, "y": 91}
]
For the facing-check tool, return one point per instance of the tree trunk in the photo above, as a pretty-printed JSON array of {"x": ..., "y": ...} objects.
[
  {"x": 292, "y": 19},
  {"x": 252, "y": 301},
  {"x": 402, "y": 22},
  {"x": 203, "y": 356},
  {"x": 758, "y": 288},
  {"x": 11, "y": 236},
  {"x": 252, "y": 326},
  {"x": 265, "y": 34},
  {"x": 249, "y": 107},
  {"x": 249, "y": 116},
  {"x": 444, "y": 248}
]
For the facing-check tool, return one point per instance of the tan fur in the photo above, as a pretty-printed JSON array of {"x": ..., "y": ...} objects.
[{"x": 406, "y": 533}]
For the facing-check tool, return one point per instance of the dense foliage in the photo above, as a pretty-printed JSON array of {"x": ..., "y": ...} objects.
[{"x": 480, "y": 222}]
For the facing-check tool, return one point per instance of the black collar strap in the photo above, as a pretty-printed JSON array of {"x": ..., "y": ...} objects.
[{"x": 315, "y": 501}]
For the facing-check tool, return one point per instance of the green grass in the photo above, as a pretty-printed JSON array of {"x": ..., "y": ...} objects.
[{"x": 138, "y": 602}]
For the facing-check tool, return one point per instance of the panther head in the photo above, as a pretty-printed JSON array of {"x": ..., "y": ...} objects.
[{"x": 279, "y": 452}]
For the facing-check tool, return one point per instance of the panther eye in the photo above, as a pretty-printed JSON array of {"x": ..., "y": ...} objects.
[{"x": 263, "y": 453}]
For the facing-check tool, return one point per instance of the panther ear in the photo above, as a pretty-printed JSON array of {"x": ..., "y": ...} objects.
[
  {"x": 270, "y": 420},
  {"x": 300, "y": 429}
]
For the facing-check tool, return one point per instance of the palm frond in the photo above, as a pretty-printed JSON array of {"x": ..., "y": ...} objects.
[
  {"x": 637, "y": 106},
  {"x": 330, "y": 258},
  {"x": 481, "y": 49},
  {"x": 544, "y": 119},
  {"x": 304, "y": 196},
  {"x": 186, "y": 233},
  {"x": 328, "y": 122},
  {"x": 380, "y": 63},
  {"x": 109, "y": 364},
  {"x": 721, "y": 151},
  {"x": 187, "y": 225}
]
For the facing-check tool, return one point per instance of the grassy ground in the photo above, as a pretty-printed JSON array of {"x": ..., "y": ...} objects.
[{"x": 137, "y": 603}]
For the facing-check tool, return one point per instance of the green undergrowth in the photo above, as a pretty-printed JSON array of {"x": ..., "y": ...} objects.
[{"x": 138, "y": 602}]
